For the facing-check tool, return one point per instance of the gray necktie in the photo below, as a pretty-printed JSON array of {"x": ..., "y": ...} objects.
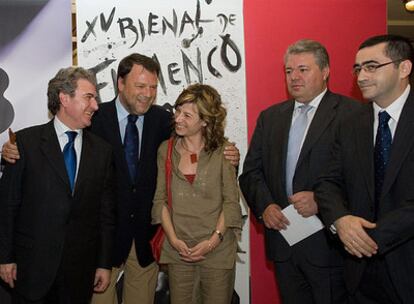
[{"x": 296, "y": 133}]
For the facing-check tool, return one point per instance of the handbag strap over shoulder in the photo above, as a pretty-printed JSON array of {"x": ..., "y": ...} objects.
[{"x": 168, "y": 170}]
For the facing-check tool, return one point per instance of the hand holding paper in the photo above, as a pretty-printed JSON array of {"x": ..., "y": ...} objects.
[{"x": 300, "y": 227}]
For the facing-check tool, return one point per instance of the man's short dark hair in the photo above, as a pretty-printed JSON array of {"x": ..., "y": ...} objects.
[
  {"x": 126, "y": 64},
  {"x": 397, "y": 47}
]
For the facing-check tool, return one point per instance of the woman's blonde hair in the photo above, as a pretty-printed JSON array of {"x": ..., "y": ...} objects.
[{"x": 211, "y": 111}]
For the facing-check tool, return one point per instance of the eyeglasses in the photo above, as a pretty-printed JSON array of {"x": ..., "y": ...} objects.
[{"x": 370, "y": 67}]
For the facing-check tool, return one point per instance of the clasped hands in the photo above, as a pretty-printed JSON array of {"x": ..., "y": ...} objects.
[
  {"x": 196, "y": 253},
  {"x": 302, "y": 201}
]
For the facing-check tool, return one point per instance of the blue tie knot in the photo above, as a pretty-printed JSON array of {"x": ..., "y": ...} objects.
[
  {"x": 384, "y": 117},
  {"x": 305, "y": 108},
  {"x": 71, "y": 136},
  {"x": 132, "y": 118}
]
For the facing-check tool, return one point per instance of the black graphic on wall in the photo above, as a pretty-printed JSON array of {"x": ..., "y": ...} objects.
[{"x": 6, "y": 108}]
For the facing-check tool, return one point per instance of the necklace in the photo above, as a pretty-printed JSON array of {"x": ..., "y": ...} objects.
[{"x": 193, "y": 155}]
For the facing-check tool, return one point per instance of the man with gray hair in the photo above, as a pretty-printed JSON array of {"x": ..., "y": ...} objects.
[
  {"x": 57, "y": 209},
  {"x": 288, "y": 150}
]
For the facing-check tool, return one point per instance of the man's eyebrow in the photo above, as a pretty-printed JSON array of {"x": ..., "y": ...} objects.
[
  {"x": 365, "y": 62},
  {"x": 89, "y": 95}
]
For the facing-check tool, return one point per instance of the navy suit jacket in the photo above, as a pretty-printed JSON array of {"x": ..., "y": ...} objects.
[
  {"x": 43, "y": 227},
  {"x": 134, "y": 200},
  {"x": 348, "y": 188},
  {"x": 263, "y": 179}
]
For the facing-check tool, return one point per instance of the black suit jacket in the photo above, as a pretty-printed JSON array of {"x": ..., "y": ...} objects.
[
  {"x": 348, "y": 188},
  {"x": 134, "y": 200},
  {"x": 46, "y": 229},
  {"x": 263, "y": 179}
]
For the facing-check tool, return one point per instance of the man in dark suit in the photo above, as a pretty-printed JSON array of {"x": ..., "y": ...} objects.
[
  {"x": 57, "y": 210},
  {"x": 137, "y": 86},
  {"x": 275, "y": 176},
  {"x": 137, "y": 91},
  {"x": 367, "y": 192}
]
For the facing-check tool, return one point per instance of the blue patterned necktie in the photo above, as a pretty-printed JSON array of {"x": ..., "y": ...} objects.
[
  {"x": 296, "y": 133},
  {"x": 382, "y": 150},
  {"x": 131, "y": 145},
  {"x": 69, "y": 155}
]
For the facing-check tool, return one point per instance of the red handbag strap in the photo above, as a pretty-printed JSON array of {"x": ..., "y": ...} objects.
[{"x": 168, "y": 172}]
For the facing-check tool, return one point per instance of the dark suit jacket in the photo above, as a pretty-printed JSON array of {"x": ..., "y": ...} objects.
[
  {"x": 43, "y": 227},
  {"x": 263, "y": 178},
  {"x": 134, "y": 200},
  {"x": 348, "y": 188}
]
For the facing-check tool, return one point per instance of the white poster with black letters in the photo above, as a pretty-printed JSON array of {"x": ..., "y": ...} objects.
[{"x": 193, "y": 41}]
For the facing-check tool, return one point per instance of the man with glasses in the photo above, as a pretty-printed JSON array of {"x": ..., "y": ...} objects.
[{"x": 367, "y": 192}]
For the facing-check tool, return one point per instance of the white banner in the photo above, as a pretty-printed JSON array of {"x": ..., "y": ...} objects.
[
  {"x": 35, "y": 43},
  {"x": 193, "y": 41}
]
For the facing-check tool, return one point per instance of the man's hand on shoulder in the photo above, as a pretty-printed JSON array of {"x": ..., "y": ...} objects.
[
  {"x": 351, "y": 231},
  {"x": 232, "y": 154},
  {"x": 9, "y": 152},
  {"x": 273, "y": 217},
  {"x": 8, "y": 273}
]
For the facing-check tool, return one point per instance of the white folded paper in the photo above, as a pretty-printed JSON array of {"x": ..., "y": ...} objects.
[{"x": 300, "y": 227}]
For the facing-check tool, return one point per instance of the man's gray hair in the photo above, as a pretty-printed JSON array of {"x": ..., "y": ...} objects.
[{"x": 312, "y": 47}]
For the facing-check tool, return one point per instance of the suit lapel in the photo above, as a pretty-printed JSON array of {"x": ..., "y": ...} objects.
[
  {"x": 111, "y": 125},
  {"x": 51, "y": 149},
  {"x": 363, "y": 131},
  {"x": 323, "y": 117},
  {"x": 402, "y": 142},
  {"x": 113, "y": 136},
  {"x": 86, "y": 159},
  {"x": 280, "y": 134}
]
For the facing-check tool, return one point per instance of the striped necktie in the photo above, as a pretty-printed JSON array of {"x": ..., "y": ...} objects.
[{"x": 296, "y": 133}]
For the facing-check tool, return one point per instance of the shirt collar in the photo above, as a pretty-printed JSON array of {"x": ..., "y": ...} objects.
[
  {"x": 395, "y": 108},
  {"x": 121, "y": 112},
  {"x": 61, "y": 128},
  {"x": 314, "y": 103}
]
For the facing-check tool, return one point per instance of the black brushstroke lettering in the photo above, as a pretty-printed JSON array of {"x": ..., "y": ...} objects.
[
  {"x": 90, "y": 29},
  {"x": 226, "y": 20},
  {"x": 160, "y": 76},
  {"x": 105, "y": 25},
  {"x": 186, "y": 19},
  {"x": 186, "y": 42},
  {"x": 212, "y": 69},
  {"x": 142, "y": 30},
  {"x": 172, "y": 26},
  {"x": 198, "y": 14},
  {"x": 187, "y": 64},
  {"x": 129, "y": 26},
  {"x": 172, "y": 69},
  {"x": 6, "y": 107},
  {"x": 227, "y": 42},
  {"x": 99, "y": 68},
  {"x": 114, "y": 78},
  {"x": 198, "y": 19},
  {"x": 152, "y": 22},
  {"x": 232, "y": 19},
  {"x": 223, "y": 21}
]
